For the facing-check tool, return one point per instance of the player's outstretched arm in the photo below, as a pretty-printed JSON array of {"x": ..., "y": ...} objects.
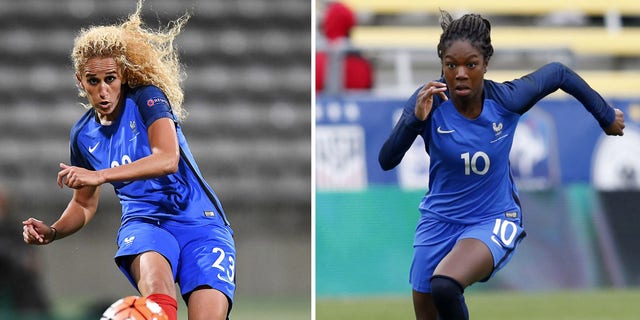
[
  {"x": 78, "y": 213},
  {"x": 521, "y": 94}
]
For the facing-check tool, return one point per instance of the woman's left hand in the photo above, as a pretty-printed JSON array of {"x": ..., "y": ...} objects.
[
  {"x": 615, "y": 129},
  {"x": 76, "y": 177}
]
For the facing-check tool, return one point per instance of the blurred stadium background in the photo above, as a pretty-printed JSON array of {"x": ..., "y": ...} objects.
[
  {"x": 248, "y": 94},
  {"x": 579, "y": 188}
]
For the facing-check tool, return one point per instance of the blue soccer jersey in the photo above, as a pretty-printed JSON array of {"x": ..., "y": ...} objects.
[
  {"x": 469, "y": 174},
  {"x": 183, "y": 196}
]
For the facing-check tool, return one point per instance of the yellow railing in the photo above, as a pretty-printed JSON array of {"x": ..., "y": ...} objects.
[
  {"x": 579, "y": 40},
  {"x": 503, "y": 7}
]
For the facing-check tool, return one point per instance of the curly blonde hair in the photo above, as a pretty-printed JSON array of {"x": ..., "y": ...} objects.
[{"x": 145, "y": 57}]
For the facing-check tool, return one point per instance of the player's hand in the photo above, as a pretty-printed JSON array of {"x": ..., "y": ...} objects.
[
  {"x": 76, "y": 177},
  {"x": 35, "y": 231},
  {"x": 615, "y": 129},
  {"x": 424, "y": 103}
]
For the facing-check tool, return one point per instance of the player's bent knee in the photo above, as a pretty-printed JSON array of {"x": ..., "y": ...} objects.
[
  {"x": 443, "y": 287},
  {"x": 448, "y": 297}
]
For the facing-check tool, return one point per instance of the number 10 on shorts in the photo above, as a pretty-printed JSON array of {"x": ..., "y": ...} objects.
[{"x": 504, "y": 232}]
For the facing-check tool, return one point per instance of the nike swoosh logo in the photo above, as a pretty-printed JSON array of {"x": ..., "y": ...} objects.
[
  {"x": 92, "y": 149},
  {"x": 225, "y": 279},
  {"x": 440, "y": 130}
]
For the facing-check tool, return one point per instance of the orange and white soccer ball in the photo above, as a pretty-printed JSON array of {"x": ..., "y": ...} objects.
[{"x": 134, "y": 308}]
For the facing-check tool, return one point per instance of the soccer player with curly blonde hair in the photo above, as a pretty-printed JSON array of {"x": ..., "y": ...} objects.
[
  {"x": 145, "y": 57},
  {"x": 173, "y": 227}
]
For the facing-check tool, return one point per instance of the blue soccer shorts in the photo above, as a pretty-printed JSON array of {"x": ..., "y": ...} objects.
[
  {"x": 200, "y": 255},
  {"x": 435, "y": 239}
]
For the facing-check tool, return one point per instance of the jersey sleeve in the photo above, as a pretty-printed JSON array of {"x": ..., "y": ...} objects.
[
  {"x": 75, "y": 156},
  {"x": 76, "y": 159},
  {"x": 153, "y": 104},
  {"x": 521, "y": 94},
  {"x": 405, "y": 132}
]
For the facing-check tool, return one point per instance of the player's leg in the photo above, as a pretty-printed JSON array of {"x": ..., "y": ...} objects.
[
  {"x": 434, "y": 240},
  {"x": 207, "y": 303},
  {"x": 144, "y": 252},
  {"x": 152, "y": 273},
  {"x": 423, "y": 306},
  {"x": 154, "y": 278},
  {"x": 207, "y": 272},
  {"x": 469, "y": 261}
]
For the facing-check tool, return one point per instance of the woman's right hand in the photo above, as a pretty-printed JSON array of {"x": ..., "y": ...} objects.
[
  {"x": 35, "y": 231},
  {"x": 424, "y": 103},
  {"x": 617, "y": 127}
]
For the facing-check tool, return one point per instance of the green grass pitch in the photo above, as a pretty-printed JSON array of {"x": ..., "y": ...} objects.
[{"x": 504, "y": 305}]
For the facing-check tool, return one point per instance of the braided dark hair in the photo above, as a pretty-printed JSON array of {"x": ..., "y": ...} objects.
[{"x": 470, "y": 27}]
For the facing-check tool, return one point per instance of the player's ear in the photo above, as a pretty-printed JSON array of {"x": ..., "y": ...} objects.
[{"x": 79, "y": 81}]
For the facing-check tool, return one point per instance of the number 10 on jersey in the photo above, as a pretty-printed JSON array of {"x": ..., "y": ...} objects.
[{"x": 471, "y": 163}]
